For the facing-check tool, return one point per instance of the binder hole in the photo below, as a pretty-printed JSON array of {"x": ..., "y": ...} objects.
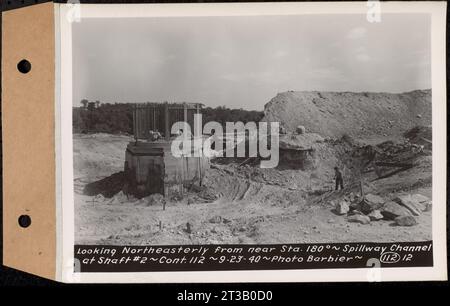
[
  {"x": 24, "y": 221},
  {"x": 24, "y": 66}
]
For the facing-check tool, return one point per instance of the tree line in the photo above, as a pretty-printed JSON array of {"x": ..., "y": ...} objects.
[{"x": 117, "y": 118}]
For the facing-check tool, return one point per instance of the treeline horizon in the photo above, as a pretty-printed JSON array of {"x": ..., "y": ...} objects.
[{"x": 117, "y": 118}]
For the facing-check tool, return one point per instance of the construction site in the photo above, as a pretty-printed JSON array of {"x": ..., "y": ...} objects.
[{"x": 131, "y": 190}]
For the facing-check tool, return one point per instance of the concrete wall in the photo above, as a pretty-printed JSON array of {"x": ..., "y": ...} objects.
[{"x": 153, "y": 168}]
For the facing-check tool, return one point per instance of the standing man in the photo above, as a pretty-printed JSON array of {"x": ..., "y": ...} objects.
[{"x": 338, "y": 178}]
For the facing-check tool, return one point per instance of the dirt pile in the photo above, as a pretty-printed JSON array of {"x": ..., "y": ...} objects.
[
  {"x": 333, "y": 114},
  {"x": 96, "y": 156}
]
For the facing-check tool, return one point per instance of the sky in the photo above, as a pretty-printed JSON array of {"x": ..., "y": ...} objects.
[{"x": 243, "y": 62}]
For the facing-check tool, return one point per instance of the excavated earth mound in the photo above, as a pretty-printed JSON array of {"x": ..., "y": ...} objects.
[{"x": 334, "y": 114}]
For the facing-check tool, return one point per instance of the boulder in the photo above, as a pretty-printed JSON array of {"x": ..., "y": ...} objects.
[
  {"x": 392, "y": 210},
  {"x": 415, "y": 203},
  {"x": 420, "y": 198},
  {"x": 242, "y": 229},
  {"x": 342, "y": 208},
  {"x": 352, "y": 197},
  {"x": 300, "y": 129},
  {"x": 359, "y": 219},
  {"x": 355, "y": 205},
  {"x": 355, "y": 212},
  {"x": 375, "y": 215},
  {"x": 216, "y": 219},
  {"x": 371, "y": 202},
  {"x": 405, "y": 221},
  {"x": 429, "y": 207},
  {"x": 188, "y": 228}
]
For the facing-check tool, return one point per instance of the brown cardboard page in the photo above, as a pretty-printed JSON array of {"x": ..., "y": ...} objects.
[{"x": 28, "y": 139}]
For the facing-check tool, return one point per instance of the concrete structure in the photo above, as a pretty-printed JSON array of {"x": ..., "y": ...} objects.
[
  {"x": 298, "y": 150},
  {"x": 159, "y": 117},
  {"x": 150, "y": 166}
]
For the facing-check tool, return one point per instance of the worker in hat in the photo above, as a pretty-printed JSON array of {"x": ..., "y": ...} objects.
[{"x": 338, "y": 178}]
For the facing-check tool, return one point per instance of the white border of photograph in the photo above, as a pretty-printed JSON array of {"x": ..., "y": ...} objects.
[{"x": 65, "y": 238}]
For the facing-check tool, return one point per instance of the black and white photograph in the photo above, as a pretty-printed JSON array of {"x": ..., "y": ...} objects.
[{"x": 254, "y": 130}]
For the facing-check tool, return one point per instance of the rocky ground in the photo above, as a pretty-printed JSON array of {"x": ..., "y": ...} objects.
[{"x": 242, "y": 203}]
